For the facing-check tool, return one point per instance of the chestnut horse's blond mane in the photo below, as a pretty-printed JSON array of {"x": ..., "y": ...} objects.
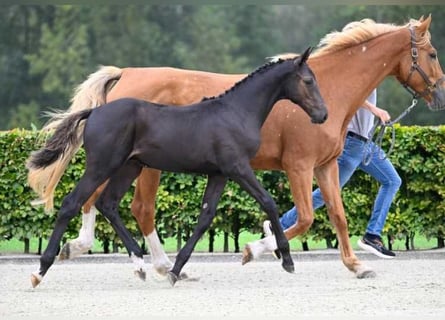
[{"x": 359, "y": 32}]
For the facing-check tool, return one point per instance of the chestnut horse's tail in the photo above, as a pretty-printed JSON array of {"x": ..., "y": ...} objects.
[{"x": 88, "y": 95}]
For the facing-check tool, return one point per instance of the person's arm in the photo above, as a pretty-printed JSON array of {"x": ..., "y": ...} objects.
[{"x": 378, "y": 112}]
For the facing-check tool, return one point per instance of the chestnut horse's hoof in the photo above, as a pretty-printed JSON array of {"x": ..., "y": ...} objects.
[
  {"x": 172, "y": 278},
  {"x": 365, "y": 273},
  {"x": 247, "y": 255},
  {"x": 35, "y": 279},
  {"x": 65, "y": 252}
]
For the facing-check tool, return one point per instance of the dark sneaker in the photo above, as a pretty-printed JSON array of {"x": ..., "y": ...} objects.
[
  {"x": 374, "y": 244},
  {"x": 267, "y": 229}
]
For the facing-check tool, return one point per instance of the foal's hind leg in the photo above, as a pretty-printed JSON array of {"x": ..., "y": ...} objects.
[
  {"x": 214, "y": 189},
  {"x": 108, "y": 204},
  {"x": 70, "y": 207},
  {"x": 143, "y": 209},
  {"x": 84, "y": 241}
]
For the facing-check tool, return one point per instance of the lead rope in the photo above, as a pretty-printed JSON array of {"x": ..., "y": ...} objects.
[{"x": 378, "y": 140}]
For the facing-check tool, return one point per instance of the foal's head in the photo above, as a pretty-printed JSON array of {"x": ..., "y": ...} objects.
[{"x": 303, "y": 90}]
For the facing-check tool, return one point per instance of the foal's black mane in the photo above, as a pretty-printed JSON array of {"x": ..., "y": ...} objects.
[{"x": 260, "y": 69}]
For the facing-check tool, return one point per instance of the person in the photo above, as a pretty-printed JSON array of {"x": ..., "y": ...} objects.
[{"x": 379, "y": 167}]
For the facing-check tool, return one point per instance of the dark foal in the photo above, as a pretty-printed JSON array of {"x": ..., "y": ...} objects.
[{"x": 216, "y": 137}]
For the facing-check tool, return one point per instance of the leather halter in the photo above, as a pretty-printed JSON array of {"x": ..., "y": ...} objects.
[{"x": 430, "y": 87}]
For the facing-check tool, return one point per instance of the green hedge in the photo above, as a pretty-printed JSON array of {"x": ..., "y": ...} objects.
[{"x": 419, "y": 207}]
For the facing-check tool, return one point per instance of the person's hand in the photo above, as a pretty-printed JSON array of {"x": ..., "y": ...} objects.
[{"x": 382, "y": 114}]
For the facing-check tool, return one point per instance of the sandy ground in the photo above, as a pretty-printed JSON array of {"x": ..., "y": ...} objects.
[{"x": 413, "y": 285}]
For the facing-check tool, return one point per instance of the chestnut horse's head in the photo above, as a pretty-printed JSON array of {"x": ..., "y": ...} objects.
[{"x": 420, "y": 71}]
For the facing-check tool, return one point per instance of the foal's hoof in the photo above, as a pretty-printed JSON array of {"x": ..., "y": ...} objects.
[
  {"x": 172, "y": 278},
  {"x": 141, "y": 274},
  {"x": 289, "y": 268},
  {"x": 247, "y": 255},
  {"x": 65, "y": 252},
  {"x": 276, "y": 254},
  {"x": 35, "y": 279}
]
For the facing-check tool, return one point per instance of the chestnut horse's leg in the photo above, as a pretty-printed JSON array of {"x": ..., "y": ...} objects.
[
  {"x": 328, "y": 181},
  {"x": 301, "y": 184},
  {"x": 143, "y": 209},
  {"x": 84, "y": 241}
]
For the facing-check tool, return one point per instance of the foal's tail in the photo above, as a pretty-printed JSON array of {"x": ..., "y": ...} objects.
[
  {"x": 47, "y": 167},
  {"x": 63, "y": 144}
]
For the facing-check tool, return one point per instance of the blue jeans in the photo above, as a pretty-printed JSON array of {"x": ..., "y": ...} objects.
[{"x": 380, "y": 169}]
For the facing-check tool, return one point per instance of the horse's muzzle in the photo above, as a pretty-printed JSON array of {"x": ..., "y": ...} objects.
[
  {"x": 319, "y": 118},
  {"x": 438, "y": 101}
]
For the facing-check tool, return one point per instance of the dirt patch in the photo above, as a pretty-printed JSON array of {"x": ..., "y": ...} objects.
[{"x": 323, "y": 287}]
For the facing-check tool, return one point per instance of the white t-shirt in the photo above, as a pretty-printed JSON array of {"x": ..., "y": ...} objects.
[{"x": 363, "y": 120}]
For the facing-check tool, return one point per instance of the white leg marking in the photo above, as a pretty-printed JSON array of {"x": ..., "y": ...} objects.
[
  {"x": 260, "y": 246},
  {"x": 85, "y": 240},
  {"x": 364, "y": 271},
  {"x": 139, "y": 264},
  {"x": 159, "y": 258}
]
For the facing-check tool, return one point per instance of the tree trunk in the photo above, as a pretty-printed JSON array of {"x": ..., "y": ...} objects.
[
  {"x": 178, "y": 240},
  {"x": 226, "y": 242},
  {"x": 26, "y": 241},
  {"x": 329, "y": 244},
  {"x": 106, "y": 246},
  {"x": 411, "y": 240},
  {"x": 305, "y": 246},
  {"x": 115, "y": 247},
  {"x": 406, "y": 243},
  {"x": 143, "y": 246},
  {"x": 211, "y": 240},
  {"x": 39, "y": 249},
  {"x": 236, "y": 232},
  {"x": 440, "y": 242},
  {"x": 388, "y": 237}
]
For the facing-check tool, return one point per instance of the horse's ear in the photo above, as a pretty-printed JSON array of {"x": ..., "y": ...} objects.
[
  {"x": 424, "y": 25},
  {"x": 421, "y": 18},
  {"x": 304, "y": 56}
]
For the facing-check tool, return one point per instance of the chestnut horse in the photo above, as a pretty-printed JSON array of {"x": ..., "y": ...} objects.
[{"x": 348, "y": 66}]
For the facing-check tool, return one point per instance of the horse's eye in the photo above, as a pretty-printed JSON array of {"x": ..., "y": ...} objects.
[
  {"x": 433, "y": 55},
  {"x": 308, "y": 80}
]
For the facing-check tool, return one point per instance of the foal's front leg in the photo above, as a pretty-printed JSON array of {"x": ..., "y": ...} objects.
[{"x": 213, "y": 191}]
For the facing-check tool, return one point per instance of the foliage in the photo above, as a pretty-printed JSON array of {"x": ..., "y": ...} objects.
[
  {"x": 419, "y": 206},
  {"x": 45, "y": 51}
]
